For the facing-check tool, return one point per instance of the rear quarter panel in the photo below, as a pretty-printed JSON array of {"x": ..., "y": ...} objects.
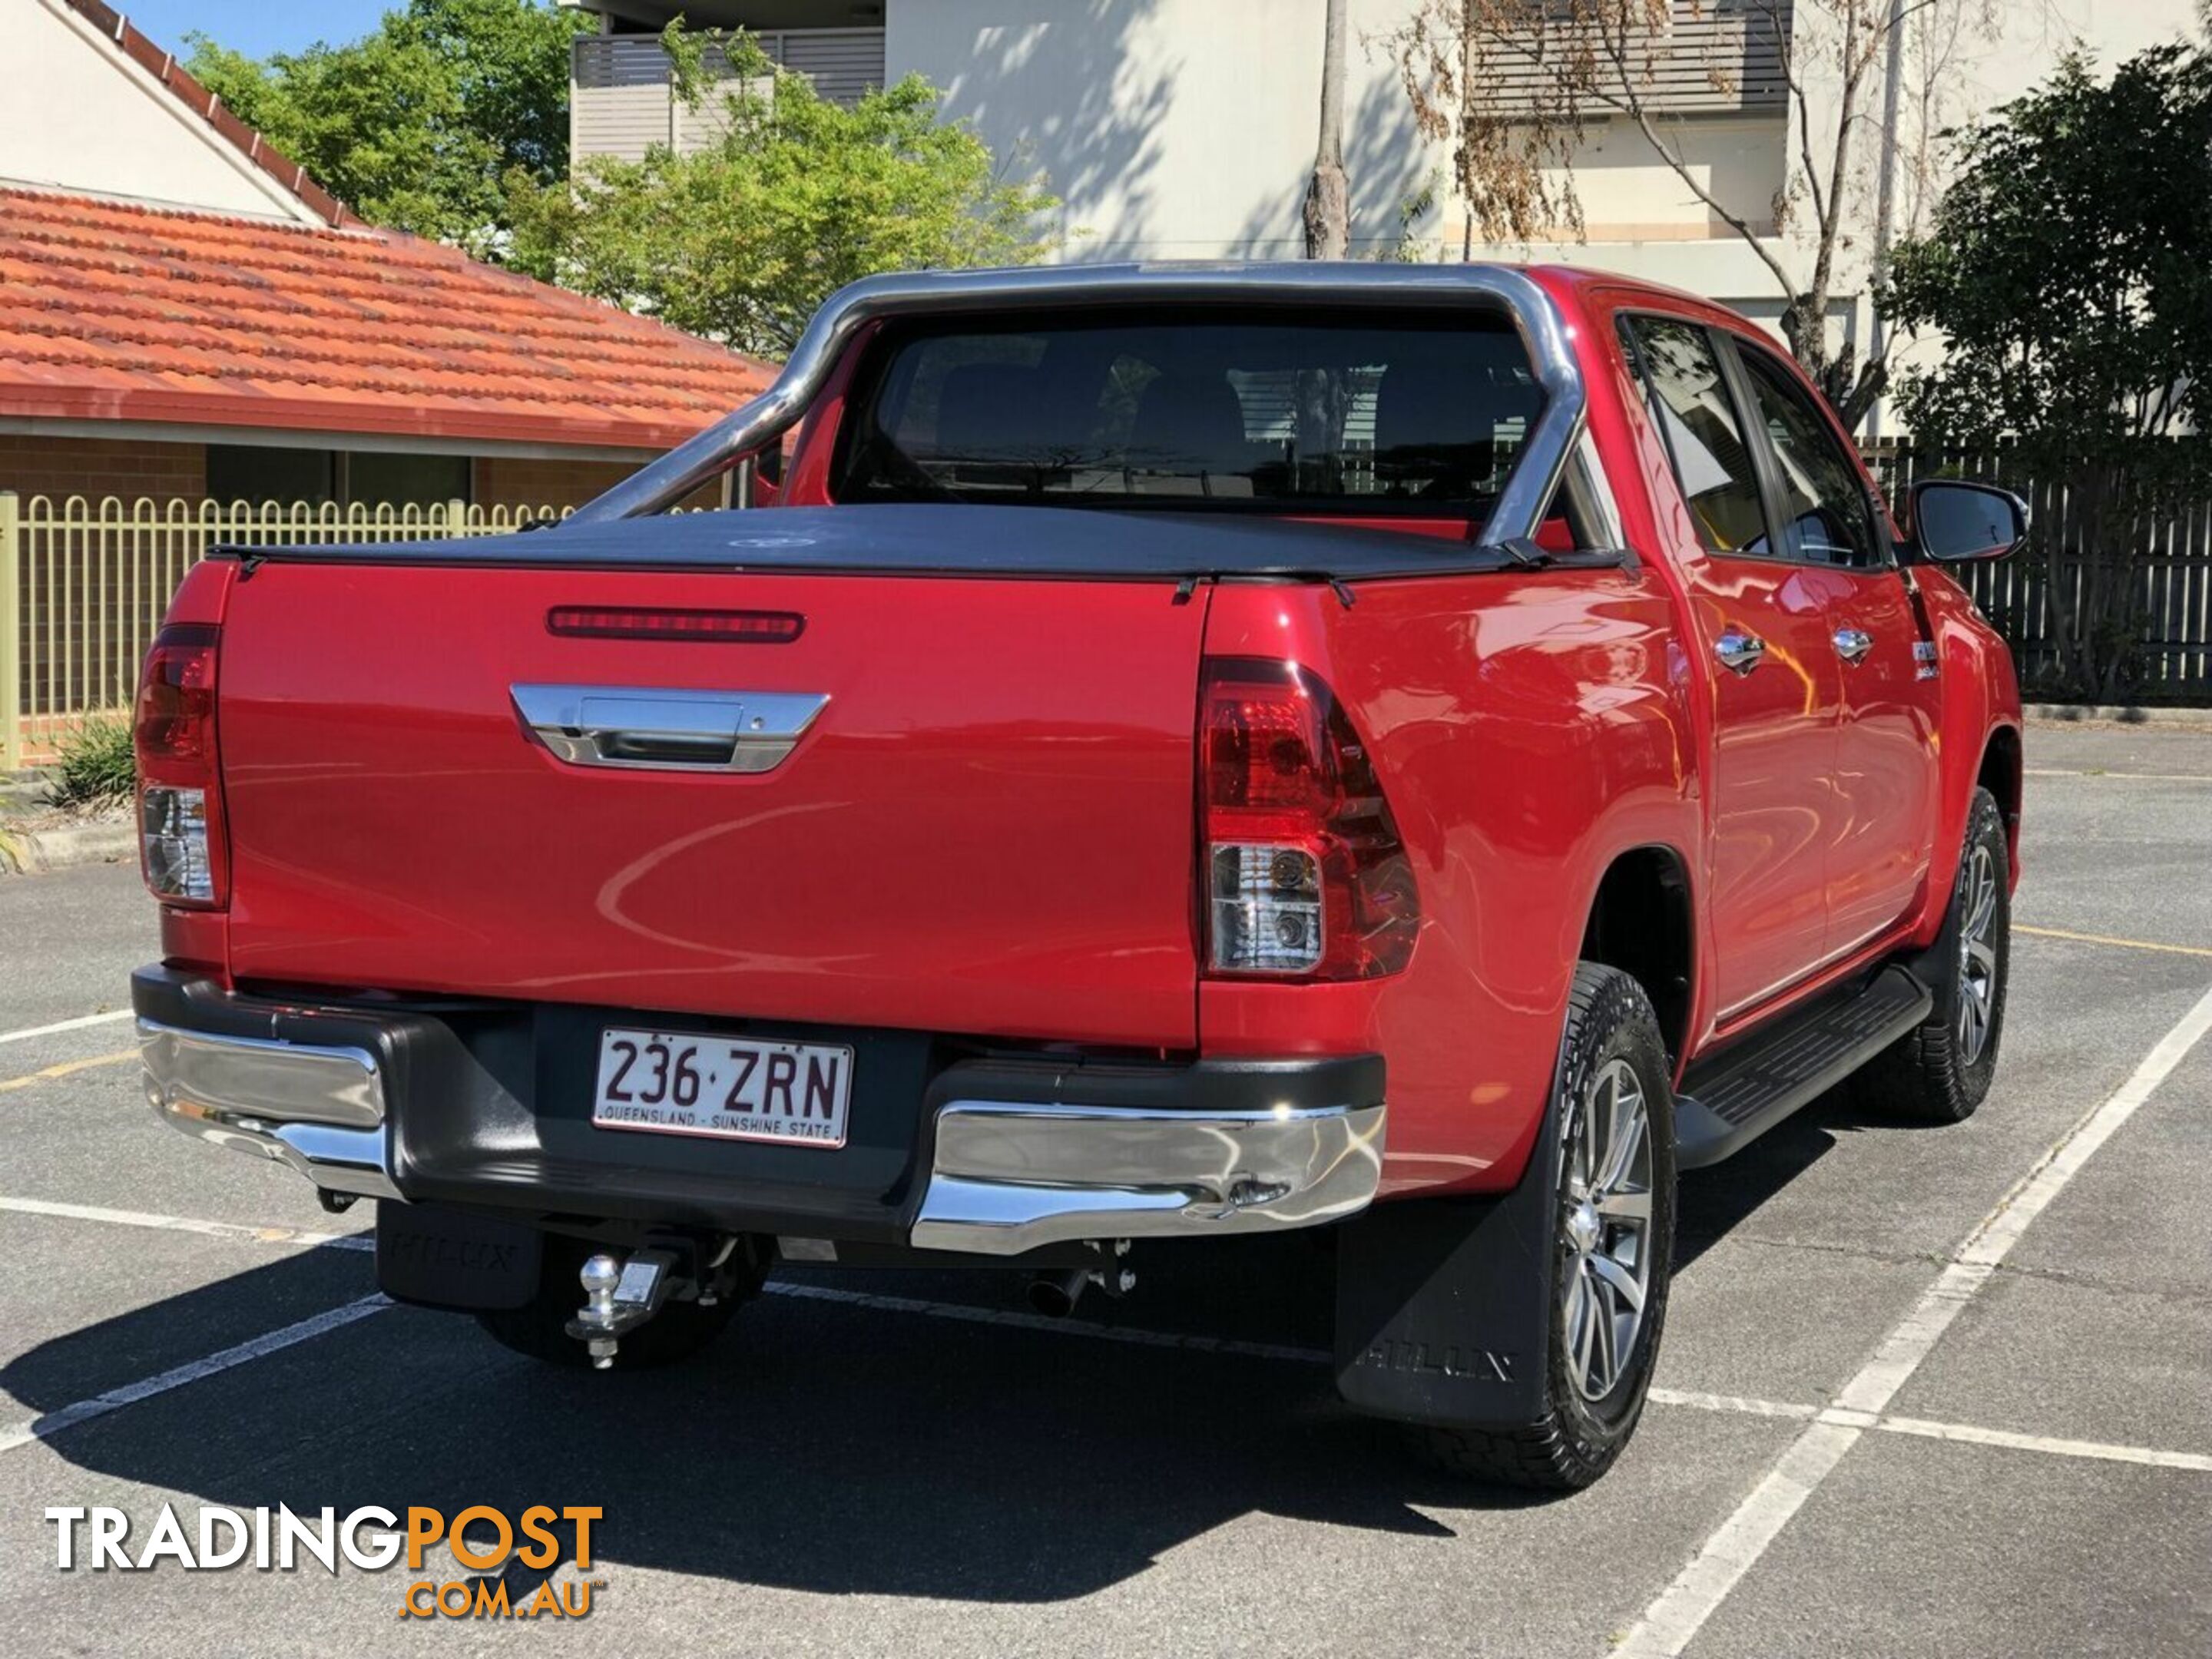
[{"x": 1528, "y": 729}]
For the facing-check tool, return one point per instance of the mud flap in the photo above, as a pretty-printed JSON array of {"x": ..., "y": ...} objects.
[
  {"x": 438, "y": 1258},
  {"x": 1443, "y": 1306}
]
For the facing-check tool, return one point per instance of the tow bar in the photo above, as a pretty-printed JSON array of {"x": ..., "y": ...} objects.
[{"x": 619, "y": 1295}]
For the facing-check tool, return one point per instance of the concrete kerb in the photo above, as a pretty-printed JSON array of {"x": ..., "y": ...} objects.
[
  {"x": 2080, "y": 713},
  {"x": 34, "y": 852}
]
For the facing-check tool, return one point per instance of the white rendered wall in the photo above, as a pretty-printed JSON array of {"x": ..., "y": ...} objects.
[{"x": 77, "y": 115}]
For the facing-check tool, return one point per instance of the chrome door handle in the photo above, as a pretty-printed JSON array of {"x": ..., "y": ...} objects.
[
  {"x": 1740, "y": 651},
  {"x": 1852, "y": 644},
  {"x": 646, "y": 729}
]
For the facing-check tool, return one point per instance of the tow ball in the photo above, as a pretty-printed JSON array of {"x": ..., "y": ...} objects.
[{"x": 619, "y": 1295}]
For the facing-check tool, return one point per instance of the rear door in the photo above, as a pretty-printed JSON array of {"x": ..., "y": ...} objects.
[
  {"x": 1760, "y": 619},
  {"x": 1884, "y": 831}
]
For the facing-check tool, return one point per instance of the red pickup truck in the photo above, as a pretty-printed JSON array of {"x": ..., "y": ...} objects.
[{"x": 1420, "y": 753}]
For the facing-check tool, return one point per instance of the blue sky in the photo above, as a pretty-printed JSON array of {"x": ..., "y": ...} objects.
[{"x": 257, "y": 27}]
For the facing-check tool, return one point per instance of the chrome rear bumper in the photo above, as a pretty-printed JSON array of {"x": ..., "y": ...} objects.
[
  {"x": 1006, "y": 1178},
  {"x": 1018, "y": 1154},
  {"x": 321, "y": 1111}
]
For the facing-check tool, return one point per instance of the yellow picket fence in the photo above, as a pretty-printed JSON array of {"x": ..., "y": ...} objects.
[{"x": 83, "y": 585}]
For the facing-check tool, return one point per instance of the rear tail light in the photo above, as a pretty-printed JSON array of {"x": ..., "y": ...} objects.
[
  {"x": 181, "y": 844},
  {"x": 1305, "y": 875}
]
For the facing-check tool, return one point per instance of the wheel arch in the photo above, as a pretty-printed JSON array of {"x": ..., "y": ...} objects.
[
  {"x": 1642, "y": 920},
  {"x": 2001, "y": 774}
]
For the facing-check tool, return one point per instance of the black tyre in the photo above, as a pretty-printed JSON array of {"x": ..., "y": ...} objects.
[
  {"x": 1940, "y": 1072},
  {"x": 539, "y": 1327},
  {"x": 1612, "y": 1172}
]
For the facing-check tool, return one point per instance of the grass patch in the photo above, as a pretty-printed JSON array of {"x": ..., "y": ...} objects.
[{"x": 96, "y": 768}]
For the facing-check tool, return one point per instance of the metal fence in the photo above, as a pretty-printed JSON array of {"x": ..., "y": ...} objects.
[
  {"x": 83, "y": 585},
  {"x": 2172, "y": 575}
]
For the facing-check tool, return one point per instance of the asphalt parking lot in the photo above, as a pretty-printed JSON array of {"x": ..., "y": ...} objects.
[{"x": 1922, "y": 1391}]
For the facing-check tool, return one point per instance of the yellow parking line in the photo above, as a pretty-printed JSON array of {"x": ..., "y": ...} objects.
[
  {"x": 2124, "y": 777},
  {"x": 2106, "y": 939},
  {"x": 66, "y": 1067}
]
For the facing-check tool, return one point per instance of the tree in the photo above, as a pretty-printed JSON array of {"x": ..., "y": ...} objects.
[
  {"x": 2070, "y": 271},
  {"x": 1547, "y": 68},
  {"x": 1328, "y": 198},
  {"x": 415, "y": 125},
  {"x": 791, "y": 198}
]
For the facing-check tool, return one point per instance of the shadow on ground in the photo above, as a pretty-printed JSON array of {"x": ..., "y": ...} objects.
[{"x": 821, "y": 1446}]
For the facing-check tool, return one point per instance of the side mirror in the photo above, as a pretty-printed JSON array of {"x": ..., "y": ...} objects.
[
  {"x": 754, "y": 478},
  {"x": 1955, "y": 521}
]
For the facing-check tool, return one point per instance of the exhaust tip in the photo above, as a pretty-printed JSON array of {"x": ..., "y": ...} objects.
[{"x": 1054, "y": 1295}]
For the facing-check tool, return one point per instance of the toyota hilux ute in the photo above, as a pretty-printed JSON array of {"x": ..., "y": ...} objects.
[{"x": 1425, "y": 754}]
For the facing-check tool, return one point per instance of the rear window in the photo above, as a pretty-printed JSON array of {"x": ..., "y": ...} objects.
[{"x": 1418, "y": 414}]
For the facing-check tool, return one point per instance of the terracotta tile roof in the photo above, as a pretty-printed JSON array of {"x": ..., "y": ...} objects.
[{"x": 115, "y": 312}]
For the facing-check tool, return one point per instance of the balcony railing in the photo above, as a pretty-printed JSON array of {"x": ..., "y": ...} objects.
[
  {"x": 623, "y": 102},
  {"x": 1713, "y": 57}
]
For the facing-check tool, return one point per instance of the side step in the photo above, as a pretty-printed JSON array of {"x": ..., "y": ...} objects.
[{"x": 1729, "y": 1100}]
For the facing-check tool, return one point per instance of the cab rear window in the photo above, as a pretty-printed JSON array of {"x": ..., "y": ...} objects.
[{"x": 1417, "y": 414}]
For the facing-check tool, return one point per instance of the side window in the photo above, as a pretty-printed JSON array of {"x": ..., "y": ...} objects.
[
  {"x": 1824, "y": 496},
  {"x": 1705, "y": 432}
]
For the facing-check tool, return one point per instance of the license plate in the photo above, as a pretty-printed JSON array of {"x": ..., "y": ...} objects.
[{"x": 729, "y": 1088}]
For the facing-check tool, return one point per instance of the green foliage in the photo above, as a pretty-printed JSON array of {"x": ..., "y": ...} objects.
[
  {"x": 1406, "y": 247},
  {"x": 2070, "y": 271},
  {"x": 97, "y": 767},
  {"x": 2070, "y": 264},
  {"x": 417, "y": 125},
  {"x": 796, "y": 196}
]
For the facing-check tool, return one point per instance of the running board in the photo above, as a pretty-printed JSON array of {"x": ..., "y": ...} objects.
[{"x": 1731, "y": 1099}]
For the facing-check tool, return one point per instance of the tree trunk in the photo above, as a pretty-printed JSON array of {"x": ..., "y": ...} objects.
[{"x": 1328, "y": 197}]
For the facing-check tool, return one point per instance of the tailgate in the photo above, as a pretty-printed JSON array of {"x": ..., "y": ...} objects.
[{"x": 986, "y": 828}]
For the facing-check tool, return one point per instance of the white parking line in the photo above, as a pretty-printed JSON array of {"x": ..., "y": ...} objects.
[
  {"x": 26, "y": 1035},
  {"x": 41, "y": 1428},
  {"x": 1681, "y": 1610},
  {"x": 1733, "y": 1402},
  {"x": 1743, "y": 1405},
  {"x": 177, "y": 1224},
  {"x": 1923, "y": 1428},
  {"x": 1968, "y": 1434}
]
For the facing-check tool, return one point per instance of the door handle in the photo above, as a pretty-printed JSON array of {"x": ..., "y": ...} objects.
[
  {"x": 1740, "y": 651},
  {"x": 1852, "y": 644},
  {"x": 646, "y": 728}
]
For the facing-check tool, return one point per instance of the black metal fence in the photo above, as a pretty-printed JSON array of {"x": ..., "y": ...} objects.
[{"x": 2172, "y": 578}]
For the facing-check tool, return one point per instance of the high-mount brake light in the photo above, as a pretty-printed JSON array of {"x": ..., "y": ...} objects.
[
  {"x": 183, "y": 852},
  {"x": 710, "y": 627},
  {"x": 1305, "y": 875}
]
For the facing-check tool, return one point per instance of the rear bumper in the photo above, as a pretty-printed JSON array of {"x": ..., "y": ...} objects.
[
  {"x": 318, "y": 1108},
  {"x": 1007, "y": 1177},
  {"x": 1000, "y": 1157}
]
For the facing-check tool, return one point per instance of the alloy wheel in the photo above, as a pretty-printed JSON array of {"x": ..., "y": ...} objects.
[
  {"x": 1605, "y": 1228},
  {"x": 1977, "y": 956}
]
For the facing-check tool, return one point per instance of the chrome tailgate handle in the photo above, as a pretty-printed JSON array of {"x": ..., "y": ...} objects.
[{"x": 642, "y": 728}]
